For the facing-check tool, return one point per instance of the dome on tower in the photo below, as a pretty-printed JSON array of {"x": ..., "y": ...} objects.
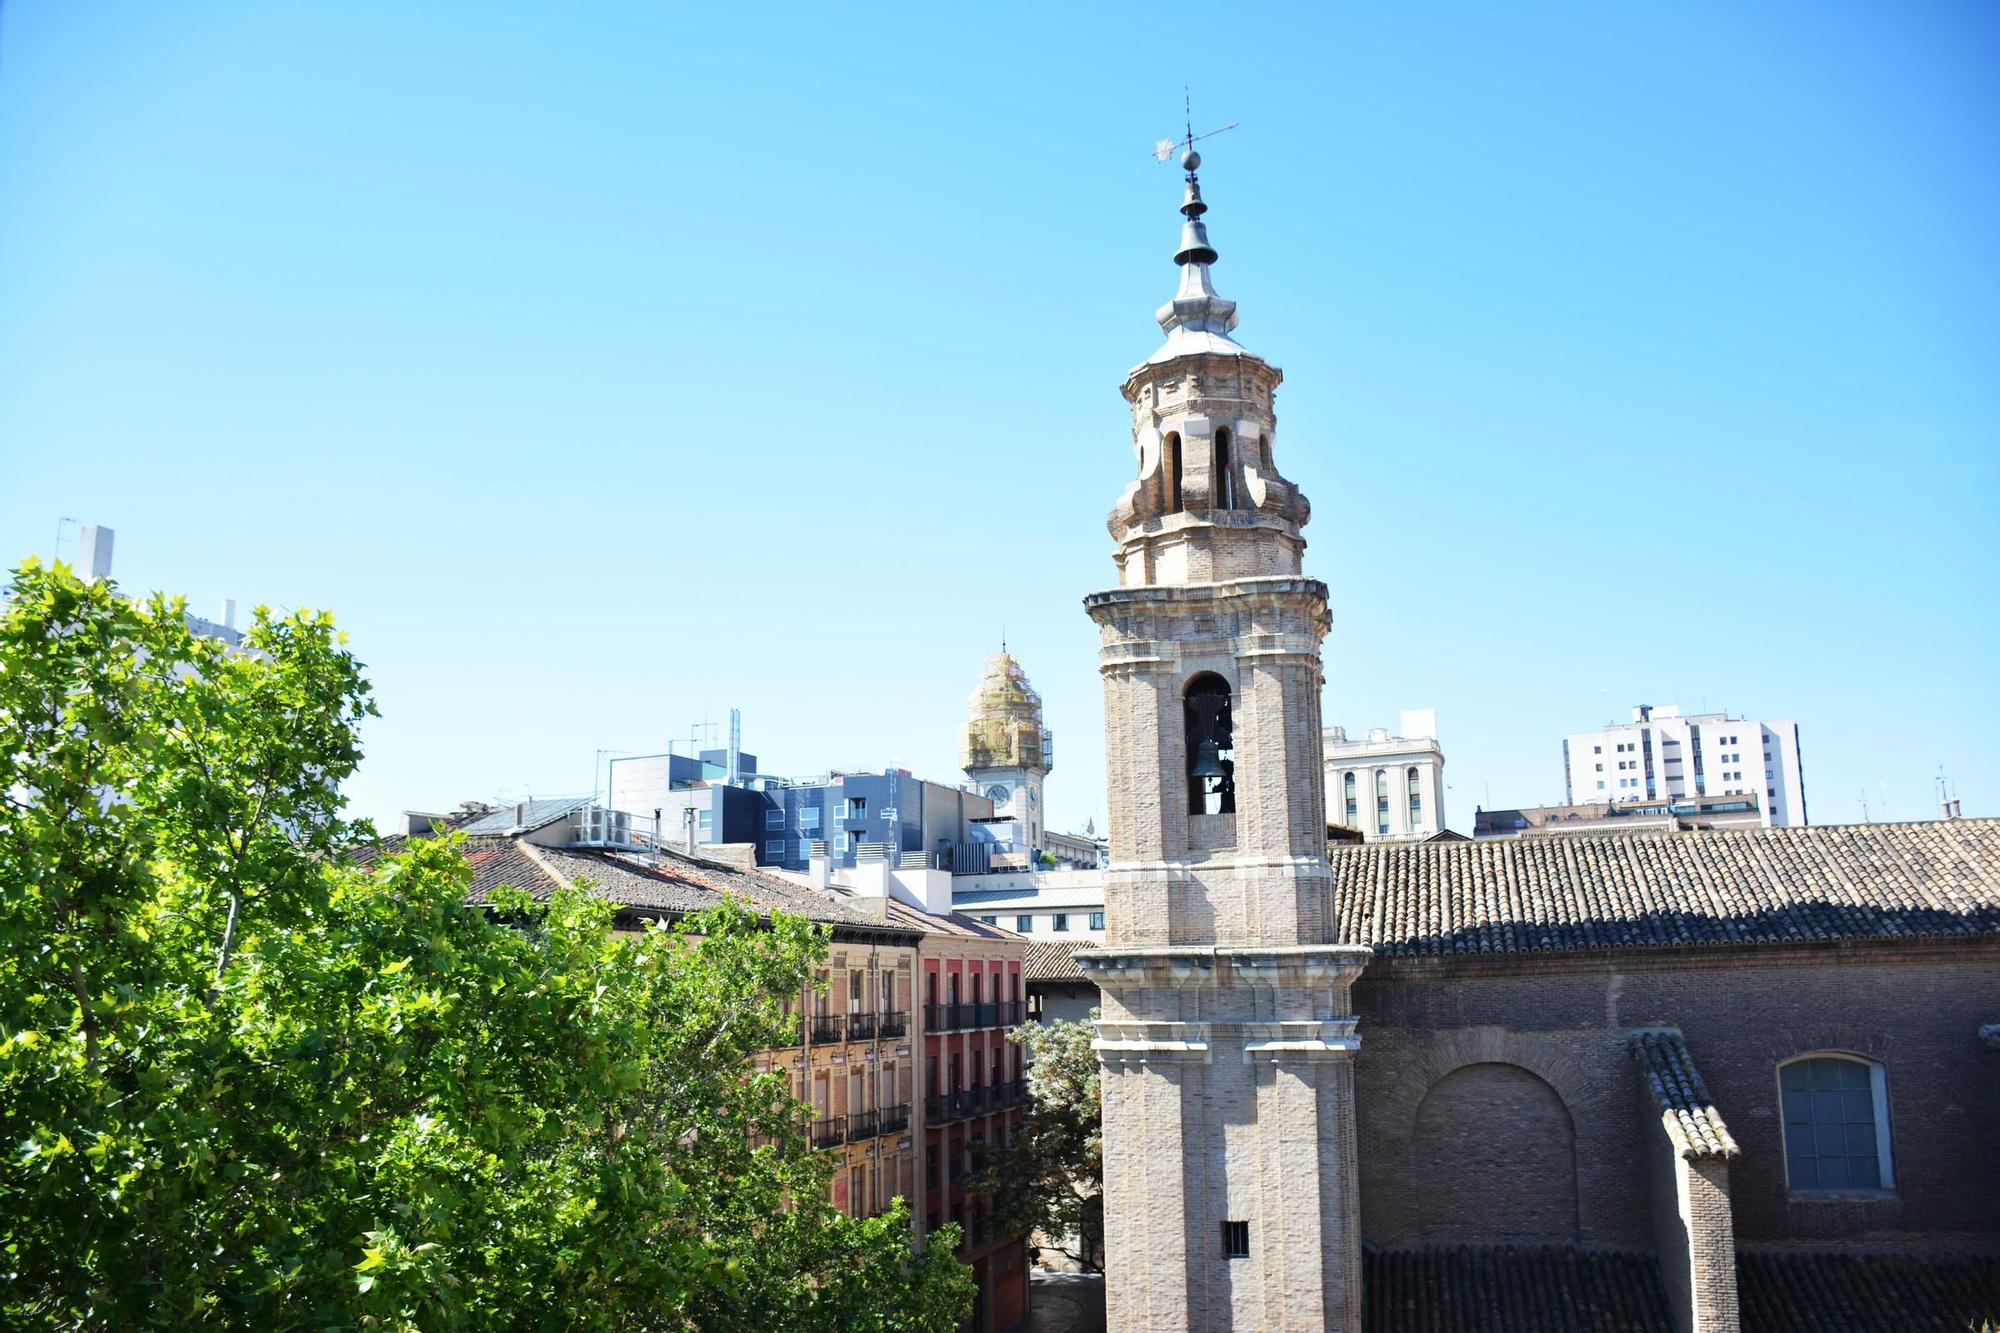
[{"x": 1004, "y": 727}]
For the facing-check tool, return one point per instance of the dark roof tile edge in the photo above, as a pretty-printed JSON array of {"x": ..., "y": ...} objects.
[{"x": 1668, "y": 1068}]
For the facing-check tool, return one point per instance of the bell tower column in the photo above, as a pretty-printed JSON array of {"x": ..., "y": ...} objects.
[{"x": 1227, "y": 1033}]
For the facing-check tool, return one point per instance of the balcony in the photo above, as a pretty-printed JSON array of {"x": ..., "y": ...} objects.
[
  {"x": 895, "y": 1119},
  {"x": 830, "y": 1132},
  {"x": 961, "y": 1017},
  {"x": 944, "y": 1108},
  {"x": 861, "y": 1027},
  {"x": 863, "y": 1125},
  {"x": 893, "y": 1023},
  {"x": 1001, "y": 1096},
  {"x": 826, "y": 1027}
]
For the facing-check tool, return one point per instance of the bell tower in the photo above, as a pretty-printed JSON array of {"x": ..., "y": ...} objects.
[{"x": 1227, "y": 1034}]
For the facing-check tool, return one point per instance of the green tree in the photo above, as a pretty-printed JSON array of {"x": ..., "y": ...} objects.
[
  {"x": 247, "y": 1083},
  {"x": 1049, "y": 1178}
]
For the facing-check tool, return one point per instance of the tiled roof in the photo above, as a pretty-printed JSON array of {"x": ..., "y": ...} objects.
[
  {"x": 679, "y": 883},
  {"x": 1054, "y": 960},
  {"x": 1794, "y": 1291},
  {"x": 1671, "y": 1077},
  {"x": 1513, "y": 1289},
  {"x": 1669, "y": 890}
]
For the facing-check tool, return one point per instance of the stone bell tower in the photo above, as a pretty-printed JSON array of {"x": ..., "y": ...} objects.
[{"x": 1227, "y": 1034}]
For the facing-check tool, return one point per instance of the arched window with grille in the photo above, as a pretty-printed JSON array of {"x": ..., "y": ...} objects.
[
  {"x": 1223, "y": 495},
  {"x": 1353, "y": 803},
  {"x": 1171, "y": 466},
  {"x": 1416, "y": 796},
  {"x": 1211, "y": 746},
  {"x": 1836, "y": 1118},
  {"x": 1382, "y": 802}
]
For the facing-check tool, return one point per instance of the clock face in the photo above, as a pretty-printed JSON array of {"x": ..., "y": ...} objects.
[{"x": 997, "y": 794}]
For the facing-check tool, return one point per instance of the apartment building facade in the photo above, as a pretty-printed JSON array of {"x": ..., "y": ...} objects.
[
  {"x": 1387, "y": 788},
  {"x": 1663, "y": 754}
]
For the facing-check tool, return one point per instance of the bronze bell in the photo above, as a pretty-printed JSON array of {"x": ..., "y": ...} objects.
[
  {"x": 1195, "y": 248},
  {"x": 1208, "y": 761}
]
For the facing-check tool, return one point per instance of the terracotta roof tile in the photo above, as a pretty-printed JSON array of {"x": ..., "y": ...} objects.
[
  {"x": 1795, "y": 1291},
  {"x": 1668, "y": 1068},
  {"x": 1512, "y": 1289},
  {"x": 1054, "y": 960},
  {"x": 1666, "y": 890}
]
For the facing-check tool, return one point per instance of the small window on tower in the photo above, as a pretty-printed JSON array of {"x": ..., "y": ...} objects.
[
  {"x": 1171, "y": 465},
  {"x": 1236, "y": 1240},
  {"x": 1224, "y": 481}
]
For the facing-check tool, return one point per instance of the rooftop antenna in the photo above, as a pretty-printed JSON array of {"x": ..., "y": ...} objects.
[
  {"x": 55, "y": 552},
  {"x": 1164, "y": 149}
]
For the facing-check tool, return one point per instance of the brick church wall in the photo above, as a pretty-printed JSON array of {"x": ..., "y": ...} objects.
[{"x": 1565, "y": 1020}]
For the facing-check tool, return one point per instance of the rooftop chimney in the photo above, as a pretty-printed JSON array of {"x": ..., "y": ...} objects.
[
  {"x": 229, "y": 613},
  {"x": 93, "y": 556}
]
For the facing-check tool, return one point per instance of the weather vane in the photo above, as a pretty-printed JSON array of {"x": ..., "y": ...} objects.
[{"x": 1164, "y": 149}]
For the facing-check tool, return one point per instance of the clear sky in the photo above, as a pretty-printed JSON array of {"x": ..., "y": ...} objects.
[{"x": 606, "y": 366}]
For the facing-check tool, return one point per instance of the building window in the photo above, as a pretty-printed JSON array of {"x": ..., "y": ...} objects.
[
  {"x": 1347, "y": 792},
  {"x": 840, "y": 810},
  {"x": 1060, "y": 921},
  {"x": 772, "y": 818},
  {"x": 1836, "y": 1124},
  {"x": 990, "y": 920},
  {"x": 1211, "y": 746},
  {"x": 1024, "y": 924},
  {"x": 775, "y": 849},
  {"x": 1225, "y": 473},
  {"x": 1236, "y": 1240},
  {"x": 808, "y": 816},
  {"x": 1171, "y": 465},
  {"x": 1097, "y": 921}
]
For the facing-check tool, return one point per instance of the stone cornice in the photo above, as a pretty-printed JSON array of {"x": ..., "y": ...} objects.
[
  {"x": 1219, "y": 596},
  {"x": 1210, "y": 964}
]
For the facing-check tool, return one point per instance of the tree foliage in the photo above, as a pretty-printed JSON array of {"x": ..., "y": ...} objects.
[
  {"x": 246, "y": 1082},
  {"x": 1049, "y": 1178}
]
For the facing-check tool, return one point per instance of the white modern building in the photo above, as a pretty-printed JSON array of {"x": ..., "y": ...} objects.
[
  {"x": 1388, "y": 788},
  {"x": 1662, "y": 754},
  {"x": 1043, "y": 904}
]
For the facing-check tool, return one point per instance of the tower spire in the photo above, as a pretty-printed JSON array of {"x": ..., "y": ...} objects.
[{"x": 1198, "y": 319}]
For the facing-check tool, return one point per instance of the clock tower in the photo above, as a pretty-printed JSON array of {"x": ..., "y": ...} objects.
[
  {"x": 1227, "y": 1035},
  {"x": 1005, "y": 749}
]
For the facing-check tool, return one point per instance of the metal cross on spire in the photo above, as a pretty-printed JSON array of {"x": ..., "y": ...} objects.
[{"x": 1164, "y": 149}]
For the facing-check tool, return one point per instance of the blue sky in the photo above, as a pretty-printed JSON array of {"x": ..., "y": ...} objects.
[{"x": 604, "y": 367}]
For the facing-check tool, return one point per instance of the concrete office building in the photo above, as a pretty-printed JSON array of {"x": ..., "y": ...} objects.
[
  {"x": 1663, "y": 754},
  {"x": 1387, "y": 788}
]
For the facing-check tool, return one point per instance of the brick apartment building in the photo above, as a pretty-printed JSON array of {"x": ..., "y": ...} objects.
[{"x": 861, "y": 1032}]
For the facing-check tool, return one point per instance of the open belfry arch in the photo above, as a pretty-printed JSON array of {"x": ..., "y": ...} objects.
[{"x": 1227, "y": 1032}]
